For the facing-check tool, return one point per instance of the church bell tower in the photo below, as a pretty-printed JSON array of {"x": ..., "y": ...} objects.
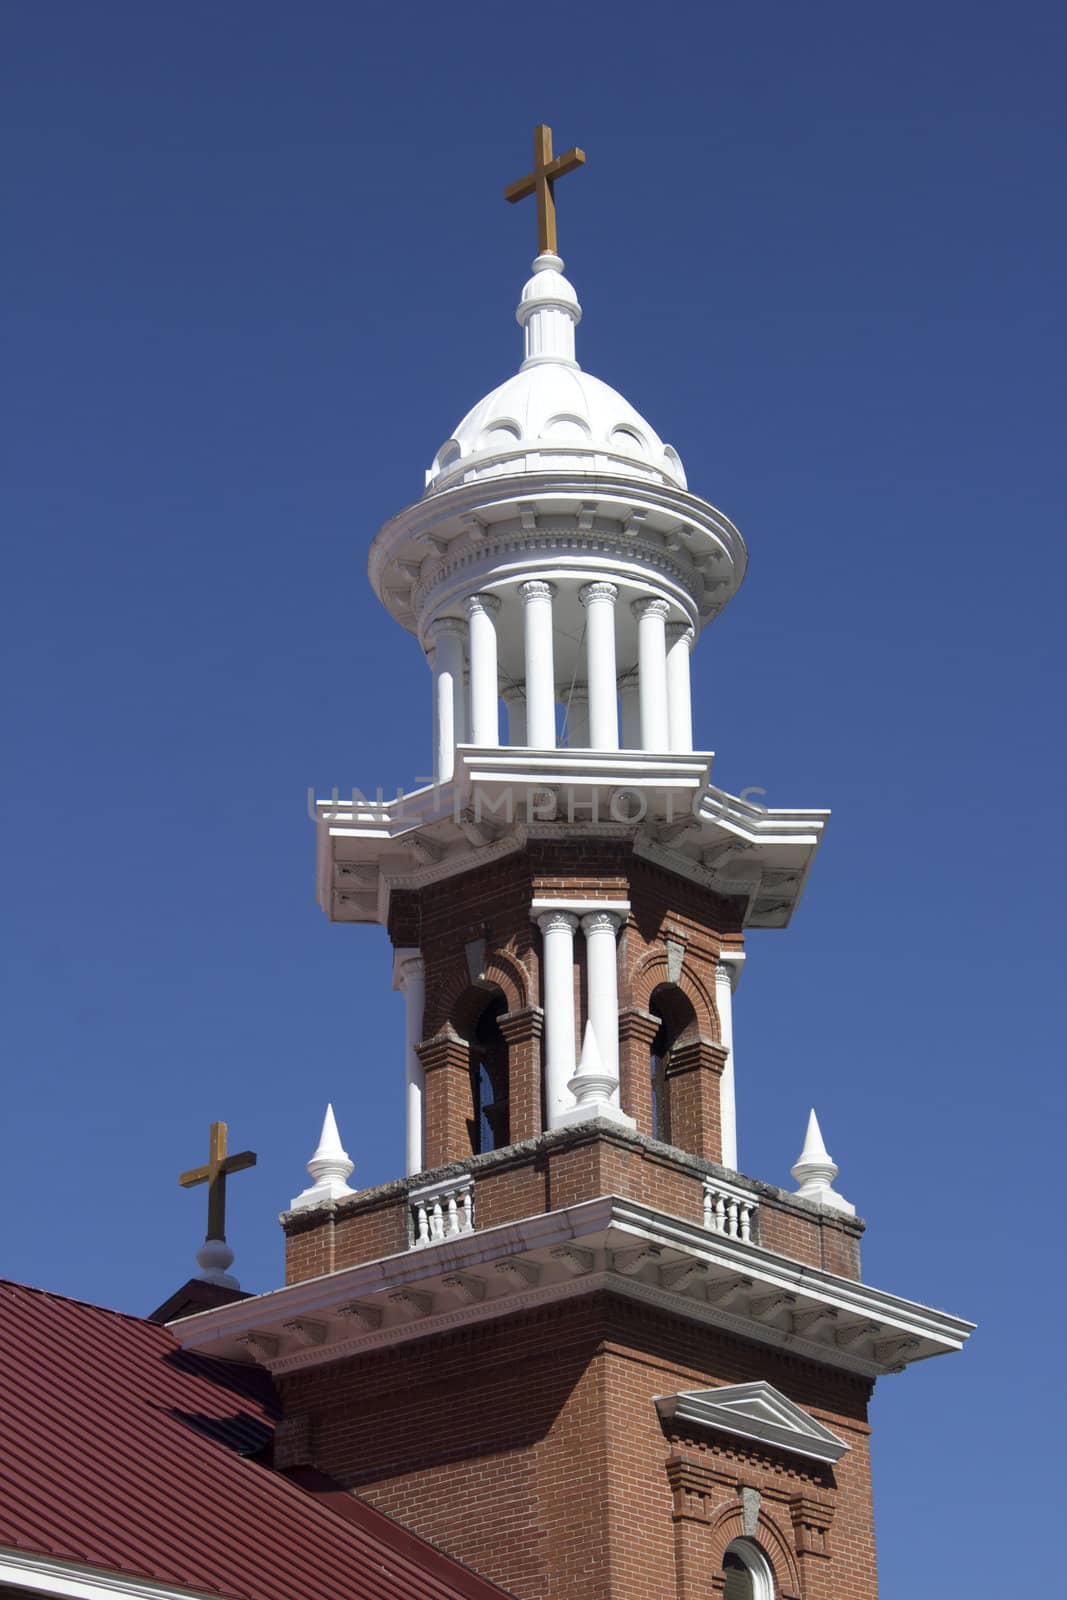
[{"x": 574, "y": 1345}]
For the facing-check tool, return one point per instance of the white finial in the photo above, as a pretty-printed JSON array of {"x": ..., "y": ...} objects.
[
  {"x": 329, "y": 1166},
  {"x": 213, "y": 1257},
  {"x": 548, "y": 314},
  {"x": 593, "y": 1086},
  {"x": 815, "y": 1171}
]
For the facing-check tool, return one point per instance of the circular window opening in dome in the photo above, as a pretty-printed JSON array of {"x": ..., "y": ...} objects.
[
  {"x": 499, "y": 436},
  {"x": 629, "y": 441},
  {"x": 566, "y": 430}
]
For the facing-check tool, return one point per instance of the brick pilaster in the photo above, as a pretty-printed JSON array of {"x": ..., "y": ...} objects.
[
  {"x": 637, "y": 1029},
  {"x": 448, "y": 1107},
  {"x": 692, "y": 1075},
  {"x": 522, "y": 1030}
]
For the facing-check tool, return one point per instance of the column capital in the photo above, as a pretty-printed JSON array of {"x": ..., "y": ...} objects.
[
  {"x": 536, "y": 589},
  {"x": 595, "y": 593},
  {"x": 482, "y": 602},
  {"x": 555, "y": 921},
  {"x": 677, "y": 631},
  {"x": 442, "y": 626},
  {"x": 407, "y": 964},
  {"x": 601, "y": 922},
  {"x": 727, "y": 972},
  {"x": 650, "y": 606}
]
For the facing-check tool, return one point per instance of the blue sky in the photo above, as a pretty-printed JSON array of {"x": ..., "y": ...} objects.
[{"x": 257, "y": 265}]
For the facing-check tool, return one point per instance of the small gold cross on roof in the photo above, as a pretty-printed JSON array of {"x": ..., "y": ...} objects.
[
  {"x": 540, "y": 182},
  {"x": 214, "y": 1175}
]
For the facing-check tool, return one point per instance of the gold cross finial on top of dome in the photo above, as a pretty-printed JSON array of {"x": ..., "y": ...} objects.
[{"x": 546, "y": 169}]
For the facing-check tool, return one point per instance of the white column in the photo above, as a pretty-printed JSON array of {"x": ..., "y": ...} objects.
[
  {"x": 540, "y": 673},
  {"x": 449, "y": 721},
  {"x": 557, "y": 931},
  {"x": 578, "y": 718},
  {"x": 599, "y": 602},
  {"x": 651, "y": 617},
  {"x": 630, "y": 702},
  {"x": 411, "y": 979},
  {"x": 680, "y": 638},
  {"x": 485, "y": 710},
  {"x": 602, "y": 984},
  {"x": 515, "y": 705},
  {"x": 724, "y": 1004}
]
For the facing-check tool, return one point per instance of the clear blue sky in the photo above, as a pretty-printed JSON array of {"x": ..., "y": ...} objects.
[{"x": 256, "y": 266}]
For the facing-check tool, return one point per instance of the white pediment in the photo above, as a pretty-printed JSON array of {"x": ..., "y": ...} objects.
[{"x": 754, "y": 1411}]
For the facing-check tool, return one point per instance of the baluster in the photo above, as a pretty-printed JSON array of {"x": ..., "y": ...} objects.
[
  {"x": 746, "y": 1222},
  {"x": 720, "y": 1214},
  {"x": 422, "y": 1222},
  {"x": 708, "y": 1219},
  {"x": 453, "y": 1213},
  {"x": 731, "y": 1218},
  {"x": 437, "y": 1224},
  {"x": 468, "y": 1210}
]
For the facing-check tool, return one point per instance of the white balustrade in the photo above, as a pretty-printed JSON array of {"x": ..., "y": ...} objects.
[
  {"x": 442, "y": 1210},
  {"x": 729, "y": 1212}
]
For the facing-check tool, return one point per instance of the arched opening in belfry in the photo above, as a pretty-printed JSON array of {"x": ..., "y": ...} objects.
[
  {"x": 677, "y": 1024},
  {"x": 489, "y": 1122}
]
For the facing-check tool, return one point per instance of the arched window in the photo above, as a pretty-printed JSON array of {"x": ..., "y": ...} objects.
[
  {"x": 489, "y": 1079},
  {"x": 747, "y": 1572},
  {"x": 677, "y": 1021}
]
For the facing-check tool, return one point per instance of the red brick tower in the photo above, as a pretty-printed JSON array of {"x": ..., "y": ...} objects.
[{"x": 574, "y": 1346}]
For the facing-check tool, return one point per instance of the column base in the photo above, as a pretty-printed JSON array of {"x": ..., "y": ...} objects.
[{"x": 591, "y": 1112}]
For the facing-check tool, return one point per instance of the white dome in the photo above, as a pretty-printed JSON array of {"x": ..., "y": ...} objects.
[{"x": 551, "y": 414}]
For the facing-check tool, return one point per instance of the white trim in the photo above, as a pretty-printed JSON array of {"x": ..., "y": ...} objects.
[
  {"x": 759, "y": 1568},
  {"x": 620, "y": 907},
  {"x": 754, "y": 1411},
  {"x": 882, "y": 1332},
  {"x": 46, "y": 1575}
]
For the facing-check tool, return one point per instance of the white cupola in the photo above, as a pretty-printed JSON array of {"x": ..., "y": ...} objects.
[{"x": 551, "y": 414}]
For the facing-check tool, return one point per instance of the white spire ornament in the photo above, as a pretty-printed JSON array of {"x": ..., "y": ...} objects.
[
  {"x": 593, "y": 1087},
  {"x": 815, "y": 1171},
  {"x": 330, "y": 1167}
]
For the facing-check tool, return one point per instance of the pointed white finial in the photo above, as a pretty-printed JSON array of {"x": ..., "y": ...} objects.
[
  {"x": 593, "y": 1086},
  {"x": 815, "y": 1171},
  {"x": 329, "y": 1166}
]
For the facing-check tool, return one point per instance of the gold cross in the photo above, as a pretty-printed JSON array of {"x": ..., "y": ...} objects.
[
  {"x": 540, "y": 182},
  {"x": 214, "y": 1175}
]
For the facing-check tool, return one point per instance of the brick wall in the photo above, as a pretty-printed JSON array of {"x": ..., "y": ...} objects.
[{"x": 530, "y": 1448}]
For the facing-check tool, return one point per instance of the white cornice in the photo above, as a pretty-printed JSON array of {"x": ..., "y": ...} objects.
[{"x": 753, "y": 1293}]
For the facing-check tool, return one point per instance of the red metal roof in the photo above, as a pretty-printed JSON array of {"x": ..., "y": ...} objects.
[{"x": 122, "y": 1452}]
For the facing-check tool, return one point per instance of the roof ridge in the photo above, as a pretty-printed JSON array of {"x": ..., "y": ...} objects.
[{"x": 76, "y": 1300}]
